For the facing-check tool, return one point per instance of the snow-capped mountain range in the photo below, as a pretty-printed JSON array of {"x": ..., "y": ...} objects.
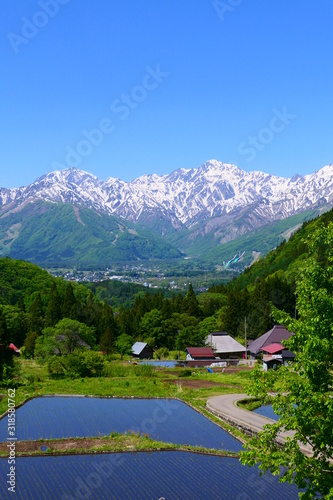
[{"x": 216, "y": 190}]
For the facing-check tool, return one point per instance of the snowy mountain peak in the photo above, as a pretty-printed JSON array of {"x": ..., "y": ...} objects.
[{"x": 186, "y": 196}]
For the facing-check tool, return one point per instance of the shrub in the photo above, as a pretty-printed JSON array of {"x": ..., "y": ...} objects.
[
  {"x": 161, "y": 353},
  {"x": 114, "y": 370},
  {"x": 55, "y": 367},
  {"x": 77, "y": 365},
  {"x": 144, "y": 371}
]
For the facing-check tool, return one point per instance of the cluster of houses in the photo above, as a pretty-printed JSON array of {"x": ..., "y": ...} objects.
[{"x": 222, "y": 348}]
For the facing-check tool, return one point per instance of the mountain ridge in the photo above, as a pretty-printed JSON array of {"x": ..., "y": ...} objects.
[
  {"x": 184, "y": 197},
  {"x": 216, "y": 203}
]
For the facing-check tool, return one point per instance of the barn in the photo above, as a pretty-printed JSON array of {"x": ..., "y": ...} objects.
[{"x": 142, "y": 350}]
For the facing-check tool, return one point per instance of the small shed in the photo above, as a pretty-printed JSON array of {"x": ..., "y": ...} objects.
[
  {"x": 275, "y": 355},
  {"x": 199, "y": 353},
  {"x": 142, "y": 350}
]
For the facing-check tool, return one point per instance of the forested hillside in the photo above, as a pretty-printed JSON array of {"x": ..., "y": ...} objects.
[
  {"x": 59, "y": 235},
  {"x": 270, "y": 282},
  {"x": 36, "y": 307}
]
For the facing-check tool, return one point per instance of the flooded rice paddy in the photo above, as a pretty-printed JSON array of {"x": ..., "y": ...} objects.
[{"x": 140, "y": 475}]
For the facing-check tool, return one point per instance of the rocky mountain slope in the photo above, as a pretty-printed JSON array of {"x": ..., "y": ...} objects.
[
  {"x": 217, "y": 201},
  {"x": 186, "y": 196}
]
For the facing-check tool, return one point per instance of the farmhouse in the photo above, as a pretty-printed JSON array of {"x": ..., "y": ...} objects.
[
  {"x": 273, "y": 336},
  {"x": 275, "y": 355},
  {"x": 199, "y": 354},
  {"x": 142, "y": 350},
  {"x": 225, "y": 346}
]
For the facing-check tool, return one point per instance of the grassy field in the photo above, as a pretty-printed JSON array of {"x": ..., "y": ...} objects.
[{"x": 127, "y": 380}]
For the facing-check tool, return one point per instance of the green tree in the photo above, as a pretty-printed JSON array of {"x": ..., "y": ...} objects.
[
  {"x": 107, "y": 321},
  {"x": 306, "y": 404},
  {"x": 36, "y": 315},
  {"x": 172, "y": 326},
  {"x": 4, "y": 337},
  {"x": 211, "y": 303},
  {"x": 124, "y": 321},
  {"x": 124, "y": 344},
  {"x": 151, "y": 327},
  {"x": 107, "y": 341},
  {"x": 233, "y": 314},
  {"x": 161, "y": 353},
  {"x": 29, "y": 344},
  {"x": 189, "y": 336},
  {"x": 67, "y": 336},
  {"x": 45, "y": 345},
  {"x": 77, "y": 364},
  {"x": 16, "y": 322},
  {"x": 6, "y": 358},
  {"x": 53, "y": 311},
  {"x": 21, "y": 304},
  {"x": 56, "y": 366},
  {"x": 190, "y": 303},
  {"x": 69, "y": 303},
  {"x": 71, "y": 334},
  {"x": 207, "y": 326}
]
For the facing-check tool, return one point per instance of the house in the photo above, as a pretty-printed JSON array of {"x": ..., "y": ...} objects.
[
  {"x": 13, "y": 349},
  {"x": 273, "y": 336},
  {"x": 200, "y": 354},
  {"x": 225, "y": 346},
  {"x": 275, "y": 355},
  {"x": 142, "y": 350}
]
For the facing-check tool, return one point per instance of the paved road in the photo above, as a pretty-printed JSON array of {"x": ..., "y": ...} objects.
[{"x": 226, "y": 407}]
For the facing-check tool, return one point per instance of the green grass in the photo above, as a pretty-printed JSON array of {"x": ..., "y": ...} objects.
[
  {"x": 250, "y": 404},
  {"x": 142, "y": 381},
  {"x": 116, "y": 442},
  {"x": 124, "y": 380}
]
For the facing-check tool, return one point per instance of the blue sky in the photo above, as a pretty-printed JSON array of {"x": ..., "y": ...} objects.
[{"x": 124, "y": 88}]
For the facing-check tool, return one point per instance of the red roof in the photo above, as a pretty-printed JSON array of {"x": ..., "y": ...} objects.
[
  {"x": 13, "y": 347},
  {"x": 201, "y": 352},
  {"x": 272, "y": 348}
]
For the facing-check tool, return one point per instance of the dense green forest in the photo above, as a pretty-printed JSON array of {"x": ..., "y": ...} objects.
[
  {"x": 36, "y": 309},
  {"x": 59, "y": 235}
]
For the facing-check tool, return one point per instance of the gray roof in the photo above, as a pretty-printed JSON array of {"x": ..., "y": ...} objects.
[
  {"x": 275, "y": 335},
  {"x": 222, "y": 343},
  {"x": 138, "y": 347}
]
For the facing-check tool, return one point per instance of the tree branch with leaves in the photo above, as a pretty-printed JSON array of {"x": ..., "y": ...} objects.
[{"x": 306, "y": 404}]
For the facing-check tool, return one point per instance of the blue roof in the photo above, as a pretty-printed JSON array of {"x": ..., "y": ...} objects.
[{"x": 138, "y": 347}]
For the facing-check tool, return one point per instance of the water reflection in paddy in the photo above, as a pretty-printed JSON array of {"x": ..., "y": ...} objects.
[
  {"x": 167, "y": 420},
  {"x": 136, "y": 476}
]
